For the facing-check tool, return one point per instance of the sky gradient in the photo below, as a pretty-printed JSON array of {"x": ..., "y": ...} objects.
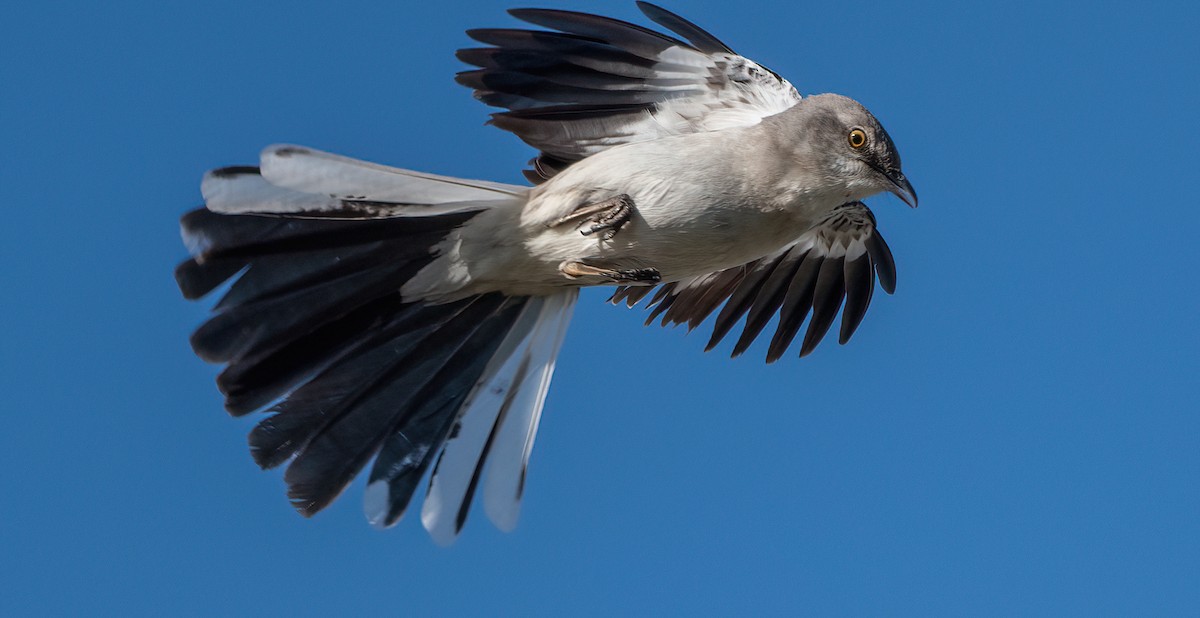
[{"x": 1014, "y": 432}]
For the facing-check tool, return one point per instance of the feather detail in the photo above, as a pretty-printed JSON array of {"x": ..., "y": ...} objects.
[
  {"x": 834, "y": 261},
  {"x": 591, "y": 83}
]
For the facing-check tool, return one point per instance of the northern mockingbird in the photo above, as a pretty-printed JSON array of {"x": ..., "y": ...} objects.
[{"x": 410, "y": 318}]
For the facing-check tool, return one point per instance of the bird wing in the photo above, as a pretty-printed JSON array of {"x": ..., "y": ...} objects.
[
  {"x": 833, "y": 262},
  {"x": 592, "y": 83}
]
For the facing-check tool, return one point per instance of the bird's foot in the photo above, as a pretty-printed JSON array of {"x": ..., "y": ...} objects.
[
  {"x": 607, "y": 217},
  {"x": 575, "y": 270}
]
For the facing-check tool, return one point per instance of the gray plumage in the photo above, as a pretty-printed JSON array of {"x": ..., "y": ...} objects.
[{"x": 414, "y": 320}]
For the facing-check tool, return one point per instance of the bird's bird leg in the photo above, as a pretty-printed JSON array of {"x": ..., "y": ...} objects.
[
  {"x": 608, "y": 216},
  {"x": 575, "y": 270}
]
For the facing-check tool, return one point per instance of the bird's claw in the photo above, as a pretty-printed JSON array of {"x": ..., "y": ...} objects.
[
  {"x": 608, "y": 216},
  {"x": 637, "y": 275},
  {"x": 574, "y": 270}
]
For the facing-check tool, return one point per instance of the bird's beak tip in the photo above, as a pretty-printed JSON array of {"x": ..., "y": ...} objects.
[{"x": 903, "y": 189}]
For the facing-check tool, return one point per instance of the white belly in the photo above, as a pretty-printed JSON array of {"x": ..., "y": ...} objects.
[{"x": 692, "y": 215}]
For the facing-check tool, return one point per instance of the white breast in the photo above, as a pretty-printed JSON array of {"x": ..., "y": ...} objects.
[{"x": 703, "y": 202}]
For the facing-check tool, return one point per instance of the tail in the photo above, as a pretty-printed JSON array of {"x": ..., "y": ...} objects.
[{"x": 314, "y": 326}]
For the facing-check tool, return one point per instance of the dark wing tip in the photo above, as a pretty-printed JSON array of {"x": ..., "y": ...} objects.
[
  {"x": 694, "y": 34},
  {"x": 557, "y": 19},
  {"x": 476, "y": 56},
  {"x": 827, "y": 298},
  {"x": 860, "y": 281},
  {"x": 472, "y": 78},
  {"x": 885, "y": 264},
  {"x": 595, "y": 27},
  {"x": 796, "y": 306},
  {"x": 774, "y": 353},
  {"x": 792, "y": 284}
]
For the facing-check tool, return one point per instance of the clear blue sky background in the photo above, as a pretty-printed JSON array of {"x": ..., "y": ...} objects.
[{"x": 1015, "y": 432}]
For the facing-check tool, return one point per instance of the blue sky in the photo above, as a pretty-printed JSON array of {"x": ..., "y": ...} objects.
[{"x": 1014, "y": 432}]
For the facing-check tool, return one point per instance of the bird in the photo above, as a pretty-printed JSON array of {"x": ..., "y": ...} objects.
[{"x": 411, "y": 321}]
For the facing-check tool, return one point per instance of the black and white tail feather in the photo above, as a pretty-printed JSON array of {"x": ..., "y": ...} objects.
[{"x": 314, "y": 326}]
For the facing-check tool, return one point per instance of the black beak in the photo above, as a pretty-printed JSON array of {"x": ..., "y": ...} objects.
[
  {"x": 902, "y": 188},
  {"x": 899, "y": 184}
]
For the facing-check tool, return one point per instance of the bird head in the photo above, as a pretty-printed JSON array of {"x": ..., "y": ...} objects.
[{"x": 851, "y": 148}]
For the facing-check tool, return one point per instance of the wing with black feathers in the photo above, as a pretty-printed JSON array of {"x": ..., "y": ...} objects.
[
  {"x": 591, "y": 83},
  {"x": 832, "y": 266}
]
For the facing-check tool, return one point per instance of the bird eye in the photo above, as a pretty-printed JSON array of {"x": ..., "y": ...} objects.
[{"x": 858, "y": 138}]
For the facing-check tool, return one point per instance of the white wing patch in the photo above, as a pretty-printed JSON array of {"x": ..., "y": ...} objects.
[{"x": 739, "y": 93}]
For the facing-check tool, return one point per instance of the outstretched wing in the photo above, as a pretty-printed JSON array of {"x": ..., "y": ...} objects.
[
  {"x": 594, "y": 82},
  {"x": 836, "y": 261}
]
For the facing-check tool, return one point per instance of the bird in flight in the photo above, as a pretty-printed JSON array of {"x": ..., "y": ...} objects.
[{"x": 413, "y": 320}]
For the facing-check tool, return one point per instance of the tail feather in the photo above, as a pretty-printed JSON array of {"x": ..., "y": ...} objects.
[
  {"x": 309, "y": 408},
  {"x": 276, "y": 275},
  {"x": 313, "y": 172},
  {"x": 300, "y": 273},
  {"x": 505, "y": 483},
  {"x": 459, "y": 465},
  {"x": 497, "y": 425},
  {"x": 402, "y": 463},
  {"x": 210, "y": 235},
  {"x": 293, "y": 180},
  {"x": 196, "y": 279},
  {"x": 439, "y": 366},
  {"x": 255, "y": 381},
  {"x": 275, "y": 321},
  {"x": 314, "y": 326},
  {"x": 408, "y": 452}
]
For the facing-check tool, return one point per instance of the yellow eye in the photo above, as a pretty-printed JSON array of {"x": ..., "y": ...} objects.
[{"x": 858, "y": 138}]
